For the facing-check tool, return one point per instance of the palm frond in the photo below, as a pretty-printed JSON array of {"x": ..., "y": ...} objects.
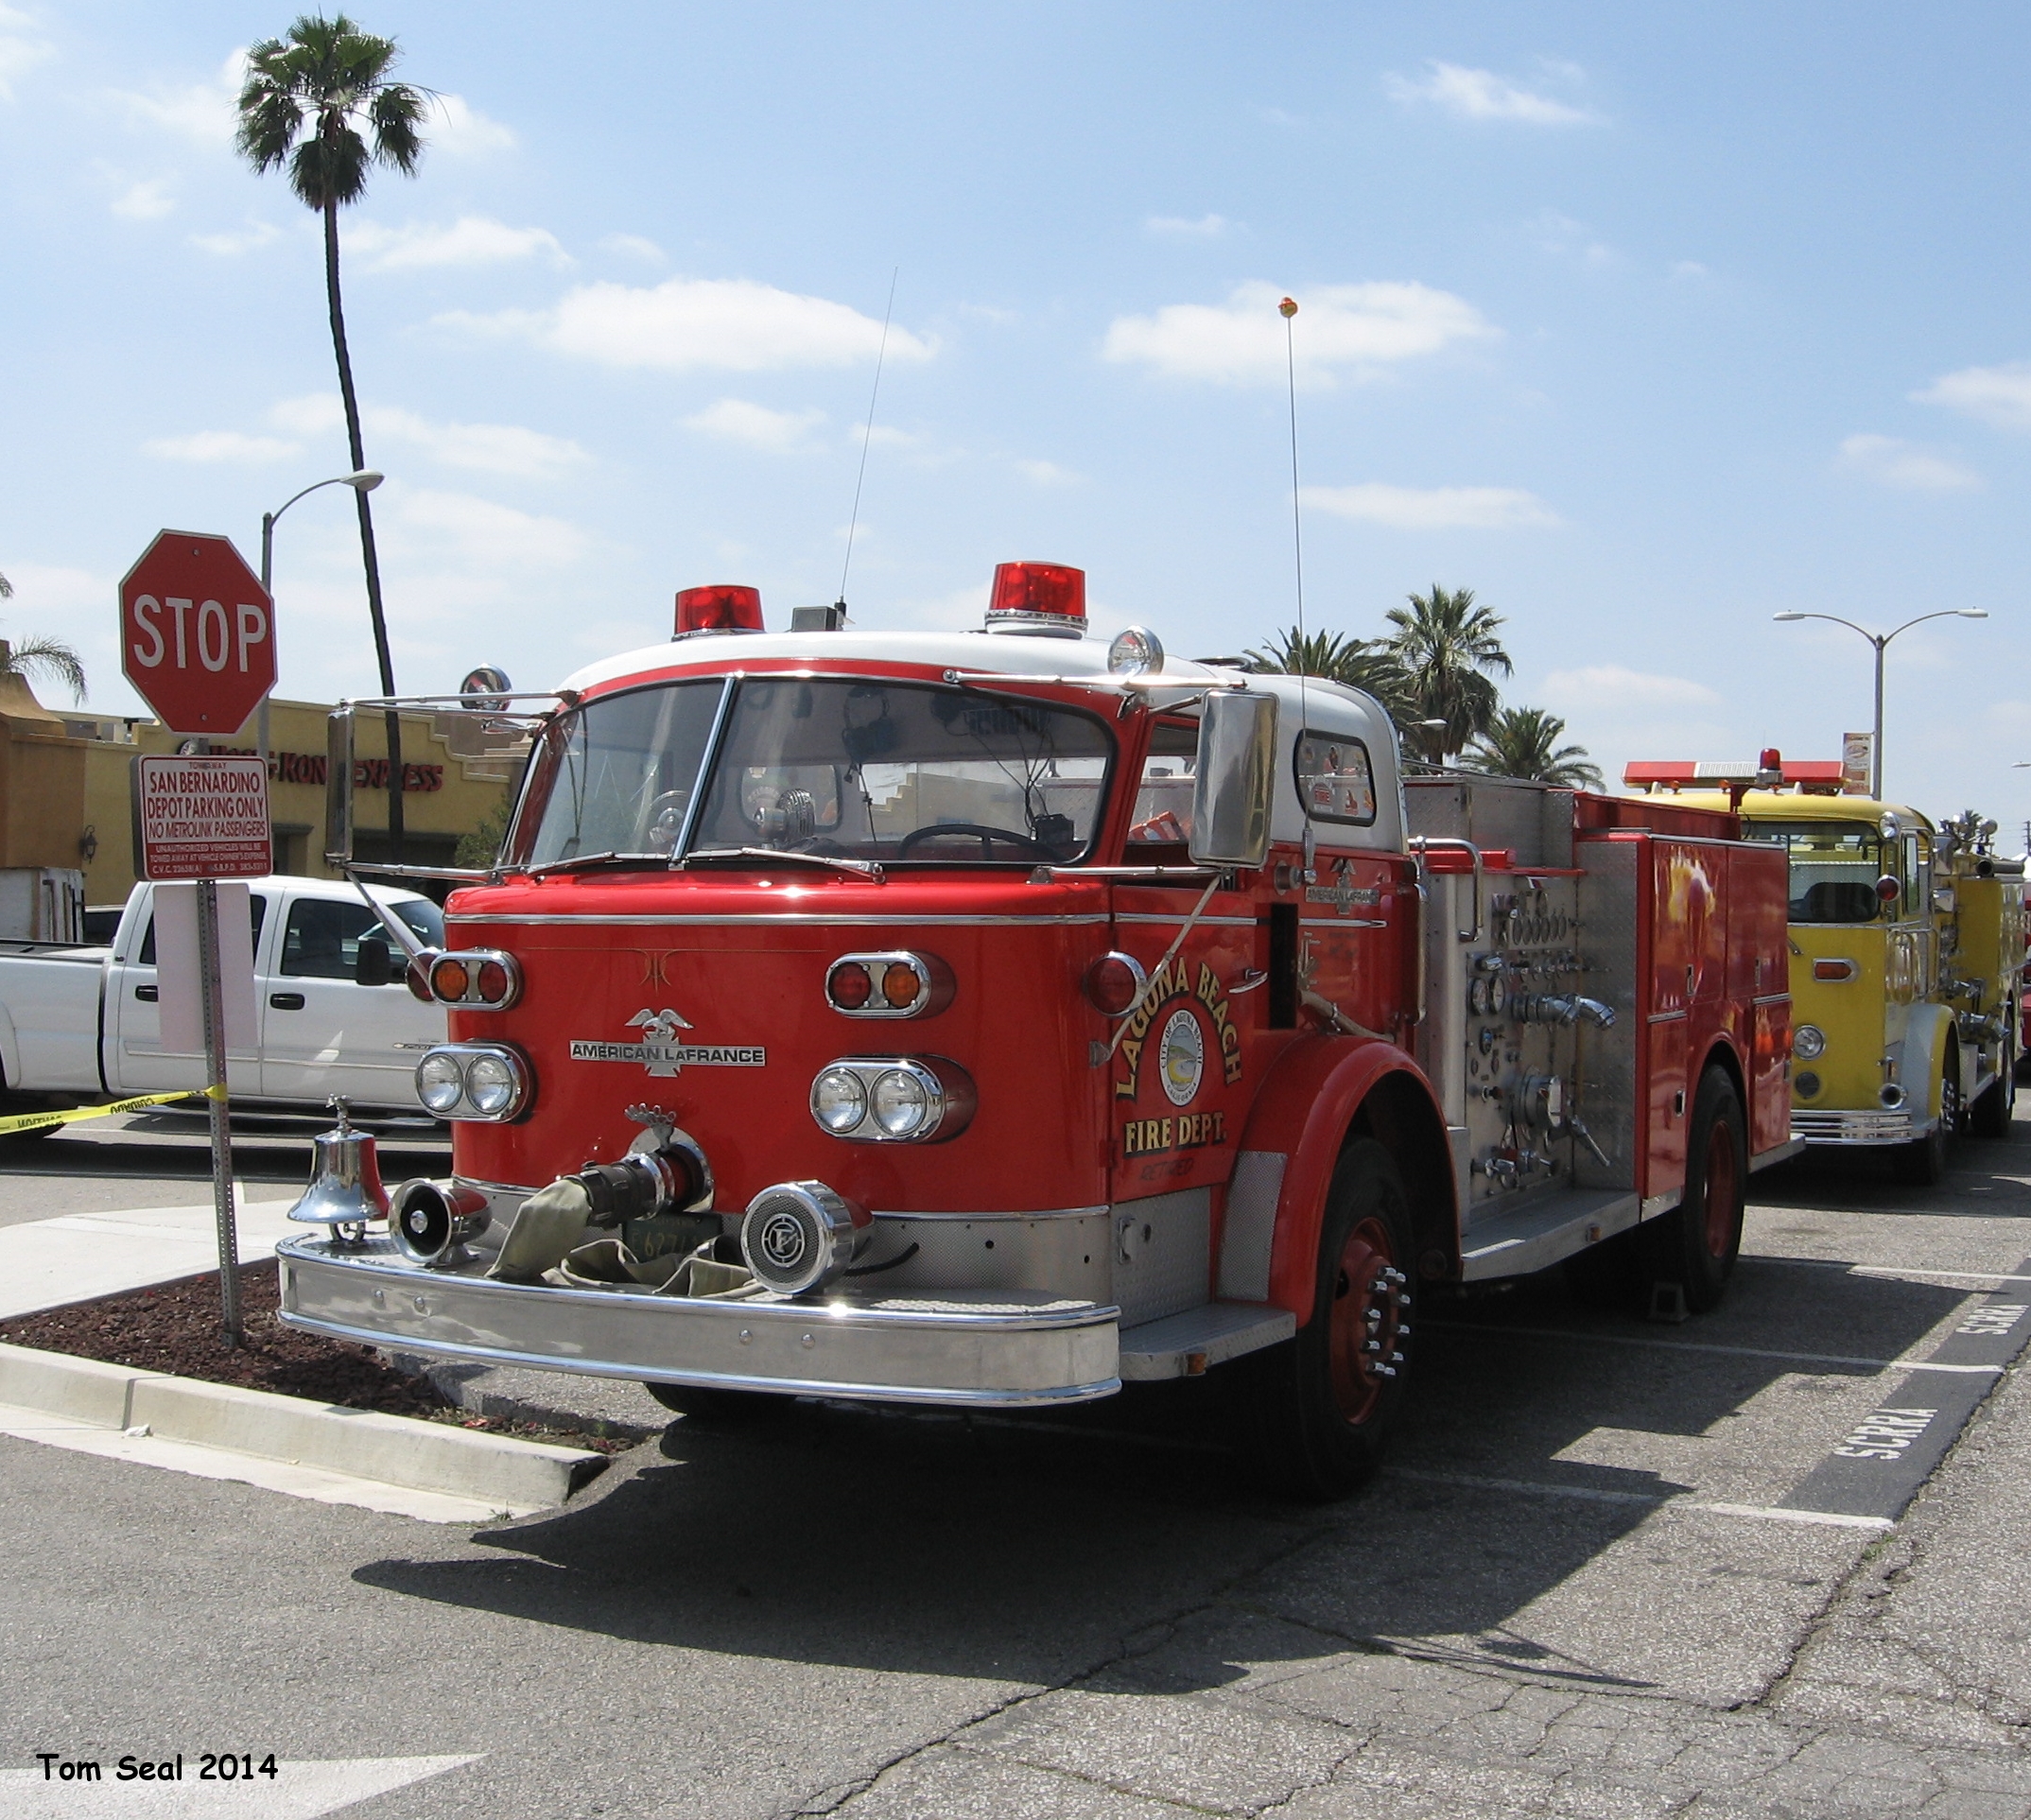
[
  {"x": 1523, "y": 742},
  {"x": 50, "y": 656}
]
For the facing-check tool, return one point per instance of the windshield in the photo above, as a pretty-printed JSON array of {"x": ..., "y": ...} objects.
[
  {"x": 827, "y": 766},
  {"x": 1835, "y": 866}
]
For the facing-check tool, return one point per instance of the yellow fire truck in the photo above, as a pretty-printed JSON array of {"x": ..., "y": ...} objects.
[{"x": 1907, "y": 952}]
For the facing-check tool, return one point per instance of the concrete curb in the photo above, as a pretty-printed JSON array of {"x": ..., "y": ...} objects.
[{"x": 488, "y": 1472}]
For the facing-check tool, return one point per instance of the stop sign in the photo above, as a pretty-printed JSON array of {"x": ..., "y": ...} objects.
[{"x": 197, "y": 634}]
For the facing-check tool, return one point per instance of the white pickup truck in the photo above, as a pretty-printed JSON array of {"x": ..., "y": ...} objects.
[{"x": 77, "y": 1022}]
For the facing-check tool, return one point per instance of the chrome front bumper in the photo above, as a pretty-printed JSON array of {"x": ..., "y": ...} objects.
[
  {"x": 977, "y": 1348},
  {"x": 1897, "y": 1127}
]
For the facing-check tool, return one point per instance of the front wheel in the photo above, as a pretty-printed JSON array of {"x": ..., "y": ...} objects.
[
  {"x": 1923, "y": 1162},
  {"x": 1319, "y": 1407},
  {"x": 1696, "y": 1244}
]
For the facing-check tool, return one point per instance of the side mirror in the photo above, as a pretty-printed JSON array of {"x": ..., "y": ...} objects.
[
  {"x": 1235, "y": 776},
  {"x": 1887, "y": 890},
  {"x": 371, "y": 963}
]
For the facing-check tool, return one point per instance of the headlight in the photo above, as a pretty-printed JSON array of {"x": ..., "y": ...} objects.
[
  {"x": 440, "y": 1082},
  {"x": 1808, "y": 1042},
  {"x": 892, "y": 1099},
  {"x": 838, "y": 1102},
  {"x": 901, "y": 1103},
  {"x": 490, "y": 1086},
  {"x": 490, "y": 1081}
]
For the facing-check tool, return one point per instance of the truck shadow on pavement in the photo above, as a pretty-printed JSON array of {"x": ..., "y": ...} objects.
[{"x": 1031, "y": 1551}]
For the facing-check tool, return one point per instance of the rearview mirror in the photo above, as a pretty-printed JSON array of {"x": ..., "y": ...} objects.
[
  {"x": 1234, "y": 777},
  {"x": 372, "y": 965}
]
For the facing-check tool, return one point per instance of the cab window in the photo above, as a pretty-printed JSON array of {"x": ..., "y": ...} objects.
[
  {"x": 256, "y": 910},
  {"x": 1162, "y": 815},
  {"x": 321, "y": 941}
]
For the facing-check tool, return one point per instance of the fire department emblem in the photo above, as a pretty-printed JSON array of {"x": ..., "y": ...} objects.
[
  {"x": 663, "y": 1053},
  {"x": 1181, "y": 1057}
]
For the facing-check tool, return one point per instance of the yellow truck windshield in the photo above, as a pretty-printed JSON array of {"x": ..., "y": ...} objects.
[{"x": 1835, "y": 866}]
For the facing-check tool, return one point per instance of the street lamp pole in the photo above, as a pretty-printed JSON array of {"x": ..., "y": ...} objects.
[
  {"x": 1880, "y": 641},
  {"x": 365, "y": 480}
]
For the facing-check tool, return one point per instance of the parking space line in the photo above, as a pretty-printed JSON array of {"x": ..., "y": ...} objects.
[
  {"x": 1893, "y": 1273},
  {"x": 1699, "y": 1346},
  {"x": 1651, "y": 1500}
]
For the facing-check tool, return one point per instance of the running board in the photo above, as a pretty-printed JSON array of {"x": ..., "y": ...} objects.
[
  {"x": 1184, "y": 1345},
  {"x": 1539, "y": 1235}
]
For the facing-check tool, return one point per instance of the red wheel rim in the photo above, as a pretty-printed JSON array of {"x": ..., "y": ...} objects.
[
  {"x": 1720, "y": 1185},
  {"x": 1364, "y": 1320}
]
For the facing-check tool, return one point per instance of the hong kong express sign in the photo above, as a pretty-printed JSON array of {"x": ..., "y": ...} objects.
[{"x": 197, "y": 634}]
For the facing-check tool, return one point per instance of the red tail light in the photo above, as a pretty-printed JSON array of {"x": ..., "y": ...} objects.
[
  {"x": 474, "y": 980},
  {"x": 849, "y": 987},
  {"x": 892, "y": 983},
  {"x": 1835, "y": 970}
]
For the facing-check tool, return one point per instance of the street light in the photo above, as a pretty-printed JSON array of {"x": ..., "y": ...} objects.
[
  {"x": 365, "y": 480},
  {"x": 1880, "y": 641}
]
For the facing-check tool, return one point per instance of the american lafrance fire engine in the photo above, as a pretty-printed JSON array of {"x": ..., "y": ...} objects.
[{"x": 989, "y": 1019}]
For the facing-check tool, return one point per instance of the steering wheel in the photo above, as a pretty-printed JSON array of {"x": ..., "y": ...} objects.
[
  {"x": 665, "y": 817},
  {"x": 983, "y": 834}
]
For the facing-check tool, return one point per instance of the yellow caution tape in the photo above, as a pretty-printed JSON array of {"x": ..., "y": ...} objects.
[{"x": 44, "y": 1120}]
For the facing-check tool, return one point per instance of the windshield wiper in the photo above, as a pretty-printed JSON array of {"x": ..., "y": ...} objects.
[
  {"x": 585, "y": 861},
  {"x": 869, "y": 868}
]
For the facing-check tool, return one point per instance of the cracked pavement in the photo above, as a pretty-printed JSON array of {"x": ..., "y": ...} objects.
[{"x": 1566, "y": 1596}]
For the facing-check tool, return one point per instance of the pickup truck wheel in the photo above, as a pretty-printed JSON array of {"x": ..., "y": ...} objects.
[
  {"x": 1992, "y": 1112},
  {"x": 1923, "y": 1162},
  {"x": 1696, "y": 1244},
  {"x": 728, "y": 1407},
  {"x": 1319, "y": 1408}
]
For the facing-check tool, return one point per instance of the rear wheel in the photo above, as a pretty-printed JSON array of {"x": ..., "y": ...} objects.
[
  {"x": 705, "y": 1403},
  {"x": 1923, "y": 1162},
  {"x": 1992, "y": 1112},
  {"x": 1320, "y": 1406},
  {"x": 1695, "y": 1245}
]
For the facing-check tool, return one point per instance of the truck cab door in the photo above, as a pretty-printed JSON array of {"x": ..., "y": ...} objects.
[
  {"x": 136, "y": 1062},
  {"x": 322, "y": 1033}
]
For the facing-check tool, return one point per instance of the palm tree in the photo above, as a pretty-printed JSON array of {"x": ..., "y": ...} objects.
[
  {"x": 1523, "y": 742},
  {"x": 304, "y": 105},
  {"x": 1449, "y": 652},
  {"x": 1365, "y": 664},
  {"x": 49, "y": 656}
]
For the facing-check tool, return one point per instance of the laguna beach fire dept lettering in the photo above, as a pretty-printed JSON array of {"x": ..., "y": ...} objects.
[
  {"x": 660, "y": 1051},
  {"x": 1181, "y": 1052}
]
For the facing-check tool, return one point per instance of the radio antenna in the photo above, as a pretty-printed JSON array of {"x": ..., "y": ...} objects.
[
  {"x": 1288, "y": 309},
  {"x": 867, "y": 436}
]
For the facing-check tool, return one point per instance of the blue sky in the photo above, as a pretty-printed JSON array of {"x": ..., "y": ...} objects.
[{"x": 1644, "y": 323}]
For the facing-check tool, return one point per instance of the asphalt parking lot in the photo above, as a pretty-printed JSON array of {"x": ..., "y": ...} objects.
[{"x": 1774, "y": 1561}]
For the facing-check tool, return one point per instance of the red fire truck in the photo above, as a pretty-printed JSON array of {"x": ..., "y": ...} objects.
[{"x": 987, "y": 1019}]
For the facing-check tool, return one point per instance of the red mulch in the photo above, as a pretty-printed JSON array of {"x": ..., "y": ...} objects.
[{"x": 177, "y": 1328}]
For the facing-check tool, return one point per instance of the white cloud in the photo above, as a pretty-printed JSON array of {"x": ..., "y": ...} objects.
[
  {"x": 461, "y": 130},
  {"x": 478, "y": 531},
  {"x": 1339, "y": 329},
  {"x": 1048, "y": 473},
  {"x": 1578, "y": 690},
  {"x": 1480, "y": 95},
  {"x": 1892, "y": 462},
  {"x": 203, "y": 112},
  {"x": 634, "y": 246},
  {"x": 1561, "y": 234},
  {"x": 1173, "y": 227},
  {"x": 687, "y": 324},
  {"x": 1432, "y": 508},
  {"x": 487, "y": 448},
  {"x": 144, "y": 202},
  {"x": 219, "y": 446},
  {"x": 471, "y": 240},
  {"x": 777, "y": 432},
  {"x": 20, "y": 50},
  {"x": 1997, "y": 395},
  {"x": 255, "y": 234}
]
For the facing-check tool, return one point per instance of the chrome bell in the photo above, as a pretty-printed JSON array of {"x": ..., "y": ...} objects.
[{"x": 345, "y": 1188}]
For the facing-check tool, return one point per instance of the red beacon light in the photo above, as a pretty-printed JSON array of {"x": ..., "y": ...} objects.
[
  {"x": 722, "y": 606},
  {"x": 1044, "y": 599}
]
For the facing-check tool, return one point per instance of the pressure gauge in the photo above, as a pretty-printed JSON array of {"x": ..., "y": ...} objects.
[
  {"x": 1477, "y": 997},
  {"x": 1498, "y": 995}
]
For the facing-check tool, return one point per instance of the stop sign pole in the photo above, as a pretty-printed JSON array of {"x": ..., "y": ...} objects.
[{"x": 197, "y": 643}]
